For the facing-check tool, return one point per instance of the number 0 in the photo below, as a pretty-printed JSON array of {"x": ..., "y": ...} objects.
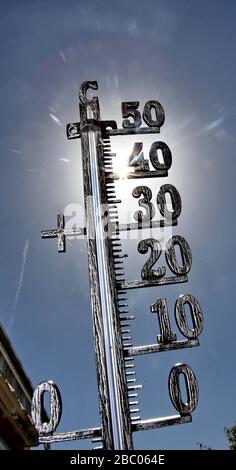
[
  {"x": 191, "y": 388},
  {"x": 159, "y": 114},
  {"x": 38, "y": 413}
]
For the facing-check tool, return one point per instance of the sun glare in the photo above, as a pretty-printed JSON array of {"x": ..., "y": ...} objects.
[{"x": 121, "y": 168}]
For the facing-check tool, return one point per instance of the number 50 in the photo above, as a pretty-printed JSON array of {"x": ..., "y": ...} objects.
[{"x": 130, "y": 109}]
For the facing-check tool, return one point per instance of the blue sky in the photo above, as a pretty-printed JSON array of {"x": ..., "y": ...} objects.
[{"x": 182, "y": 54}]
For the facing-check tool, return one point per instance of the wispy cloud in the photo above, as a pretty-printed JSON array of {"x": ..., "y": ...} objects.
[
  {"x": 16, "y": 151},
  {"x": 214, "y": 124},
  {"x": 55, "y": 118},
  {"x": 20, "y": 282},
  {"x": 63, "y": 57}
]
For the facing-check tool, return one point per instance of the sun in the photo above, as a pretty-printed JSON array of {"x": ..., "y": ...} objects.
[{"x": 121, "y": 168}]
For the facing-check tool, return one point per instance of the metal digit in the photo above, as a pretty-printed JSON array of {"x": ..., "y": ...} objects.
[
  {"x": 159, "y": 111},
  {"x": 160, "y": 307},
  {"x": 191, "y": 389},
  {"x": 196, "y": 314},
  {"x": 166, "y": 154},
  {"x": 175, "y": 201},
  {"x": 129, "y": 109},
  {"x": 136, "y": 159},
  {"x": 186, "y": 255},
  {"x": 38, "y": 413},
  {"x": 147, "y": 271},
  {"x": 144, "y": 202},
  {"x": 85, "y": 86}
]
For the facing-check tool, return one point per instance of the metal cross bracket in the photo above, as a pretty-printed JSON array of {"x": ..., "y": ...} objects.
[{"x": 61, "y": 233}]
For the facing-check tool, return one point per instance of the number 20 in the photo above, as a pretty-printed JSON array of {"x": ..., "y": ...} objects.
[{"x": 148, "y": 273}]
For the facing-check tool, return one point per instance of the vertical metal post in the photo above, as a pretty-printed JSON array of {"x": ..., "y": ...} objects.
[{"x": 108, "y": 345}]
